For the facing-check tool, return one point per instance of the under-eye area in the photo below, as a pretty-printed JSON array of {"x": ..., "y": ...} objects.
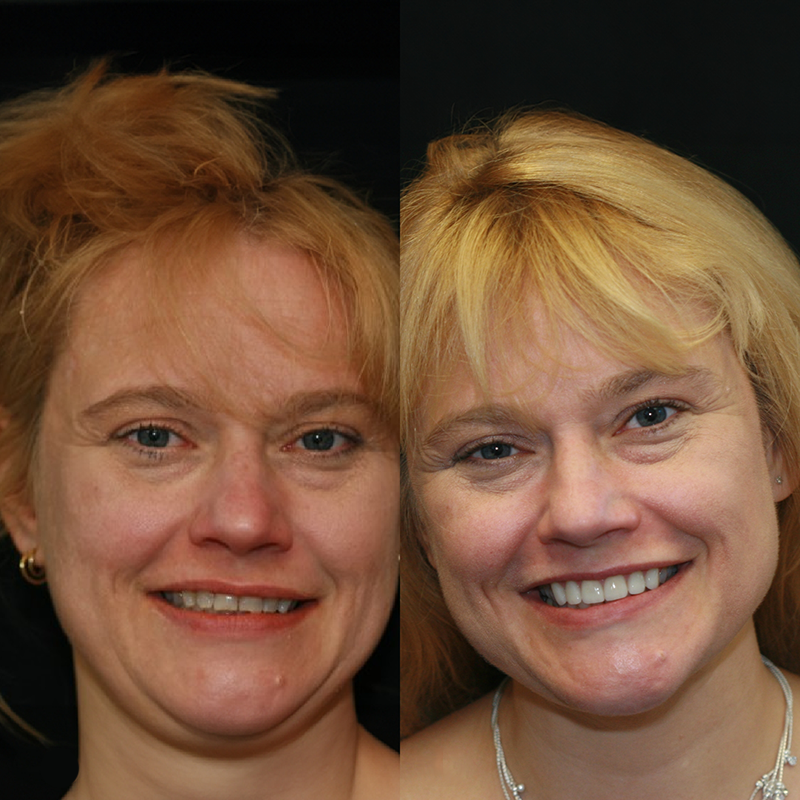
[
  {"x": 588, "y": 593},
  {"x": 216, "y": 603}
]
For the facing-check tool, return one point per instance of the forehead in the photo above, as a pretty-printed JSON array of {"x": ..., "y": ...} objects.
[
  {"x": 252, "y": 319},
  {"x": 546, "y": 362}
]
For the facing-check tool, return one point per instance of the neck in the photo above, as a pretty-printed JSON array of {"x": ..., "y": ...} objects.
[
  {"x": 121, "y": 760},
  {"x": 722, "y": 729}
]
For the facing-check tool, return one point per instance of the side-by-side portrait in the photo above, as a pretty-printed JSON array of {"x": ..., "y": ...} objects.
[{"x": 398, "y": 401}]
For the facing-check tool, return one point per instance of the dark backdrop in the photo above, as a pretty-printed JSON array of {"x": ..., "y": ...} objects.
[
  {"x": 717, "y": 81},
  {"x": 336, "y": 65}
]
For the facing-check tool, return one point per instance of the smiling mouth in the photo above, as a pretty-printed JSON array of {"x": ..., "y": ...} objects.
[
  {"x": 585, "y": 594},
  {"x": 213, "y": 603}
]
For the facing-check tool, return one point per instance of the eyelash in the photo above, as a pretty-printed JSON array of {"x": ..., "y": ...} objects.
[
  {"x": 352, "y": 441},
  {"x": 645, "y": 430},
  {"x": 152, "y": 453},
  {"x": 466, "y": 455}
]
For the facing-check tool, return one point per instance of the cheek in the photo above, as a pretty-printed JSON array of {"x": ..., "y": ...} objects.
[
  {"x": 473, "y": 536},
  {"x": 91, "y": 522},
  {"x": 355, "y": 532}
]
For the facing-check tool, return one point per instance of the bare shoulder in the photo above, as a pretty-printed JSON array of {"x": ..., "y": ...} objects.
[
  {"x": 377, "y": 770},
  {"x": 452, "y": 759}
]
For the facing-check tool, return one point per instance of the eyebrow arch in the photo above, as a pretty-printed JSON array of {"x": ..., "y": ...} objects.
[
  {"x": 166, "y": 396},
  {"x": 491, "y": 414},
  {"x": 172, "y": 398},
  {"x": 632, "y": 380}
]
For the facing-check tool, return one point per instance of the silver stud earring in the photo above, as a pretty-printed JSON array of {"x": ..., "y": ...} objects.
[{"x": 779, "y": 480}]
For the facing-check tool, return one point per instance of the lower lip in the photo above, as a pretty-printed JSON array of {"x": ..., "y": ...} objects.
[
  {"x": 234, "y": 625},
  {"x": 604, "y": 614}
]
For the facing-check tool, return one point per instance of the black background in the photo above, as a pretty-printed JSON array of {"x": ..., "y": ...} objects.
[
  {"x": 336, "y": 66},
  {"x": 716, "y": 81},
  {"x": 719, "y": 82}
]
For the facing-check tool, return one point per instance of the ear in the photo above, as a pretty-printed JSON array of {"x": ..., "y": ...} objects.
[
  {"x": 16, "y": 511},
  {"x": 784, "y": 478},
  {"x": 19, "y": 520}
]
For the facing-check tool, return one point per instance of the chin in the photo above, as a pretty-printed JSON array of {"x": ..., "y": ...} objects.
[
  {"x": 626, "y": 684},
  {"x": 238, "y": 721},
  {"x": 617, "y": 701}
]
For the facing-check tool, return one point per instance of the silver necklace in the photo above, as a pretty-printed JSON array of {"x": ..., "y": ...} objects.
[{"x": 770, "y": 785}]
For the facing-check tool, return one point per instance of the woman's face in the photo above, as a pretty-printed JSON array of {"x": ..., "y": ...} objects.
[
  {"x": 576, "y": 472},
  {"x": 216, "y": 505}
]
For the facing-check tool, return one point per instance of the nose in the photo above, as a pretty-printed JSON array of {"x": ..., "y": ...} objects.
[
  {"x": 245, "y": 505},
  {"x": 586, "y": 497}
]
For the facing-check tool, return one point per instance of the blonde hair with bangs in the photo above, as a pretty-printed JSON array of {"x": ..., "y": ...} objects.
[{"x": 605, "y": 228}]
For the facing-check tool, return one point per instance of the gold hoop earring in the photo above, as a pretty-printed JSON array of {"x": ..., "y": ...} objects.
[{"x": 33, "y": 573}]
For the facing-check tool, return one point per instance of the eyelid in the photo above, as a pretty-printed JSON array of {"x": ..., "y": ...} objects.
[
  {"x": 352, "y": 438},
  {"x": 124, "y": 434},
  {"x": 466, "y": 453},
  {"x": 630, "y": 414}
]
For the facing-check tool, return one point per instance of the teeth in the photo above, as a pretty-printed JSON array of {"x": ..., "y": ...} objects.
[
  {"x": 229, "y": 603},
  {"x": 592, "y": 592},
  {"x": 573, "y": 592}
]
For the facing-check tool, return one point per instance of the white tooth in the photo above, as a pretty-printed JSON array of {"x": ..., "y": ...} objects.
[
  {"x": 651, "y": 578},
  {"x": 592, "y": 592},
  {"x": 270, "y": 605},
  {"x": 284, "y": 606},
  {"x": 573, "y": 592},
  {"x": 559, "y": 594},
  {"x": 636, "y": 583},
  {"x": 205, "y": 601},
  {"x": 225, "y": 602},
  {"x": 174, "y": 598},
  {"x": 251, "y": 605},
  {"x": 615, "y": 588}
]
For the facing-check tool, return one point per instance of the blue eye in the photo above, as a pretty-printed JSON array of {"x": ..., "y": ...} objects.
[
  {"x": 323, "y": 440},
  {"x": 652, "y": 415},
  {"x": 493, "y": 451},
  {"x": 153, "y": 436}
]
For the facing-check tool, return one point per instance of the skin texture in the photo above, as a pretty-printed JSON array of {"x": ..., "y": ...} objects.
[
  {"x": 250, "y": 462},
  {"x": 579, "y": 466},
  {"x": 582, "y": 489}
]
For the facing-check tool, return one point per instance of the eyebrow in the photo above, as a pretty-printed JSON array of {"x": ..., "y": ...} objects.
[
  {"x": 614, "y": 387},
  {"x": 635, "y": 379},
  {"x": 174, "y": 399}
]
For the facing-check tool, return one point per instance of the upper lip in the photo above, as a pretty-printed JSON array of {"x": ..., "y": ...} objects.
[
  {"x": 605, "y": 573},
  {"x": 236, "y": 589}
]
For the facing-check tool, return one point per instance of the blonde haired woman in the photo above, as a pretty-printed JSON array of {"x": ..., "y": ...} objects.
[
  {"x": 198, "y": 450},
  {"x": 600, "y": 360}
]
